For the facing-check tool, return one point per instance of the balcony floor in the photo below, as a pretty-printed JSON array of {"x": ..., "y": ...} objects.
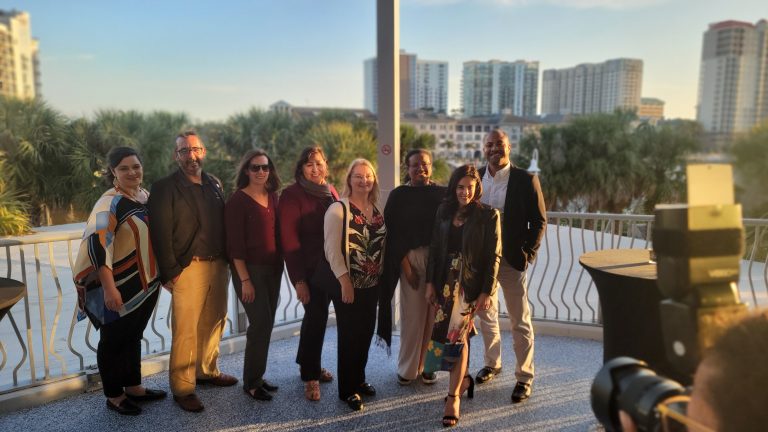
[{"x": 565, "y": 368}]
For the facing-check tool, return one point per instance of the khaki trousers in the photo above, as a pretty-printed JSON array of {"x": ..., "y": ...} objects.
[
  {"x": 416, "y": 318},
  {"x": 199, "y": 310},
  {"x": 514, "y": 284}
]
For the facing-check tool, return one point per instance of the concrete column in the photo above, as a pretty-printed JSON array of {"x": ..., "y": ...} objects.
[{"x": 388, "y": 64}]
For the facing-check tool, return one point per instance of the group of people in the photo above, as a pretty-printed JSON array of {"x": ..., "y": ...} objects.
[{"x": 448, "y": 247}]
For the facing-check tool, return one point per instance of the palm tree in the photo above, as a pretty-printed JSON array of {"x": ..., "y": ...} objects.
[{"x": 32, "y": 149}]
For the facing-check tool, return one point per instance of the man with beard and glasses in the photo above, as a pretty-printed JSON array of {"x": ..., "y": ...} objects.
[
  {"x": 517, "y": 195},
  {"x": 409, "y": 216},
  {"x": 187, "y": 229}
]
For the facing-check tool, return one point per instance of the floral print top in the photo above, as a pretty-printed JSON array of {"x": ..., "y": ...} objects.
[{"x": 366, "y": 247}]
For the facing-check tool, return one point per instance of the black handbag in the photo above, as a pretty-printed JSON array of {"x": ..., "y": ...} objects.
[{"x": 323, "y": 276}]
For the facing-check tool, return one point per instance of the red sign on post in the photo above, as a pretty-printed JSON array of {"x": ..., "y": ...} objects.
[{"x": 386, "y": 149}]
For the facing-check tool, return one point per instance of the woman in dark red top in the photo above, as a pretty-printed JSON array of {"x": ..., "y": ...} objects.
[
  {"x": 301, "y": 212},
  {"x": 257, "y": 263}
]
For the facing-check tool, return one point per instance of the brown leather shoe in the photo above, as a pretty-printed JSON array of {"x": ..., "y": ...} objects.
[
  {"x": 223, "y": 380},
  {"x": 189, "y": 402}
]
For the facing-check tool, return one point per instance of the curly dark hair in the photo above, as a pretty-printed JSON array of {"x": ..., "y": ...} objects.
[
  {"x": 451, "y": 202},
  {"x": 407, "y": 160}
]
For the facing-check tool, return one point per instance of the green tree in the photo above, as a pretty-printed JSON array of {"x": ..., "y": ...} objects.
[
  {"x": 32, "y": 150},
  {"x": 664, "y": 149},
  {"x": 153, "y": 135},
  {"x": 342, "y": 142},
  {"x": 750, "y": 154},
  {"x": 14, "y": 219},
  {"x": 272, "y": 132},
  {"x": 603, "y": 163}
]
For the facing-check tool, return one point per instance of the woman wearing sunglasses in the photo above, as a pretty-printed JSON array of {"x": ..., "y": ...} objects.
[{"x": 256, "y": 260}]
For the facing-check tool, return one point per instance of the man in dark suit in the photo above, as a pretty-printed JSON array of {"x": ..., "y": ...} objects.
[
  {"x": 517, "y": 195},
  {"x": 187, "y": 228}
]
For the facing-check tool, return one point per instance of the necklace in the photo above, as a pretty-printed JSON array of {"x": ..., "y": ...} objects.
[
  {"x": 365, "y": 209},
  {"x": 128, "y": 195}
]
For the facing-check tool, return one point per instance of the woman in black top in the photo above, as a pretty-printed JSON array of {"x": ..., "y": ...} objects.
[{"x": 464, "y": 258}]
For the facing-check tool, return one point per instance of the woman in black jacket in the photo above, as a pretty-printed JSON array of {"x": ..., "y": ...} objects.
[{"x": 461, "y": 278}]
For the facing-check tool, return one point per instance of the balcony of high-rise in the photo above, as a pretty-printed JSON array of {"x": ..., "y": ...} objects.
[{"x": 437, "y": 73}]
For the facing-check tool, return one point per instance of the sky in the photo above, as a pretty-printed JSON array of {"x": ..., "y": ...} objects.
[{"x": 214, "y": 59}]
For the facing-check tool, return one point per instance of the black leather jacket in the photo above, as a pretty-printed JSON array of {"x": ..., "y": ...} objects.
[{"x": 480, "y": 247}]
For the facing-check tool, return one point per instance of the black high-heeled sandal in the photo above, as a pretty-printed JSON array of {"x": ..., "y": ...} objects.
[
  {"x": 449, "y": 420},
  {"x": 471, "y": 388}
]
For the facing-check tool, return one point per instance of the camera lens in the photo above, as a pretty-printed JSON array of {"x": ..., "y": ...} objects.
[{"x": 628, "y": 384}]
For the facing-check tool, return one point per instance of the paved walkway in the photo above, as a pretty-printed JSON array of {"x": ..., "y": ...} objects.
[{"x": 565, "y": 368}]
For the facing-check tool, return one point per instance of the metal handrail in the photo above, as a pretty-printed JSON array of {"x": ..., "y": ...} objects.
[{"x": 559, "y": 290}]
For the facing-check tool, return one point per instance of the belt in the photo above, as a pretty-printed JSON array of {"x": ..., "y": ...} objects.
[{"x": 204, "y": 258}]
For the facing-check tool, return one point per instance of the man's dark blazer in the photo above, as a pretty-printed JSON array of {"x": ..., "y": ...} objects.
[
  {"x": 525, "y": 217},
  {"x": 174, "y": 222}
]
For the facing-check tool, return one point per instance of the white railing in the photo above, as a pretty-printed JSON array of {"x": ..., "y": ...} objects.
[
  {"x": 41, "y": 340},
  {"x": 560, "y": 289}
]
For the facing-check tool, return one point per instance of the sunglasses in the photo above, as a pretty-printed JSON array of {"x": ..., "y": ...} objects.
[{"x": 257, "y": 168}]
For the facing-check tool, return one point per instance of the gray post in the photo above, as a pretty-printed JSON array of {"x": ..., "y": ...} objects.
[{"x": 388, "y": 69}]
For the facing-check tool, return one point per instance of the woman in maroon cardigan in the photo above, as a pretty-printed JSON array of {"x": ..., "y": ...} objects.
[
  {"x": 301, "y": 212},
  {"x": 257, "y": 263}
]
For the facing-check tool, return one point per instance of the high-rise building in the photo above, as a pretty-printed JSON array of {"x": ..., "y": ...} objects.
[
  {"x": 19, "y": 63},
  {"x": 496, "y": 87},
  {"x": 733, "y": 80},
  {"x": 651, "y": 110},
  {"x": 593, "y": 88},
  {"x": 423, "y": 84}
]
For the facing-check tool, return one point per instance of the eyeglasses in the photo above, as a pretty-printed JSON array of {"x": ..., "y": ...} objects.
[
  {"x": 257, "y": 168},
  {"x": 186, "y": 151},
  {"x": 358, "y": 177},
  {"x": 674, "y": 417}
]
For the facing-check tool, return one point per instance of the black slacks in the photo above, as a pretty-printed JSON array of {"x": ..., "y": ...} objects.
[
  {"x": 355, "y": 323},
  {"x": 313, "y": 333},
  {"x": 119, "y": 351},
  {"x": 261, "y": 318}
]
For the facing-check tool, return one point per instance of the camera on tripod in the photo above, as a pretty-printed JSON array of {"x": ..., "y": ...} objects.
[{"x": 698, "y": 250}]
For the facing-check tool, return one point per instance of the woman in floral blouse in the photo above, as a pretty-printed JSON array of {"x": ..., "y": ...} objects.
[{"x": 357, "y": 262}]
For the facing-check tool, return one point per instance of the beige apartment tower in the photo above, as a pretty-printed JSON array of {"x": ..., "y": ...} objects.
[
  {"x": 423, "y": 84},
  {"x": 19, "y": 63},
  {"x": 733, "y": 80},
  {"x": 593, "y": 87}
]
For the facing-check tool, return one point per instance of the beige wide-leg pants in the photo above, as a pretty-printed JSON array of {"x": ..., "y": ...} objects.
[
  {"x": 199, "y": 310},
  {"x": 416, "y": 318},
  {"x": 514, "y": 284}
]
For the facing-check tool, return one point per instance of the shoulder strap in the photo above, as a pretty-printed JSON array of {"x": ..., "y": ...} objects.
[{"x": 343, "y": 229}]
